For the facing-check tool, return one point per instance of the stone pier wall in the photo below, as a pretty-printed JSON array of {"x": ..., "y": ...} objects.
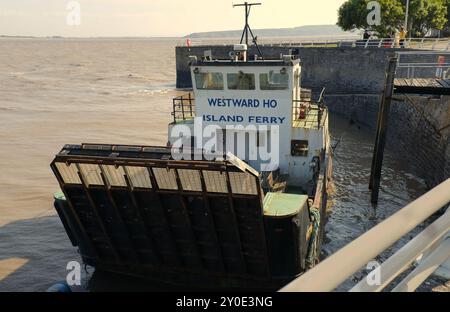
[{"x": 419, "y": 130}]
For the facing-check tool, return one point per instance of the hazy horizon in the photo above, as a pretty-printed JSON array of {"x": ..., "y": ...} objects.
[
  {"x": 155, "y": 18},
  {"x": 159, "y": 37}
]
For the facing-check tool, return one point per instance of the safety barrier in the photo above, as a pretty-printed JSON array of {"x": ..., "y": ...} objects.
[
  {"x": 433, "y": 244},
  {"x": 436, "y": 44}
]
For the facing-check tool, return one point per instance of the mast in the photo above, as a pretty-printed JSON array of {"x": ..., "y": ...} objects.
[{"x": 247, "y": 28}]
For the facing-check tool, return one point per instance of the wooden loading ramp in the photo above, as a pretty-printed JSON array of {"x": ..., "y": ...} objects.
[{"x": 135, "y": 206}]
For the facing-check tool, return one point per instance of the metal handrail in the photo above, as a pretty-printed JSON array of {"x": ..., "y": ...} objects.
[
  {"x": 404, "y": 257},
  {"x": 183, "y": 108},
  {"x": 419, "y": 63},
  {"x": 305, "y": 104},
  {"x": 426, "y": 268},
  {"x": 337, "y": 268},
  {"x": 436, "y": 44}
]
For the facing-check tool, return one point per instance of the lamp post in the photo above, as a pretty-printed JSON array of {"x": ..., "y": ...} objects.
[{"x": 406, "y": 15}]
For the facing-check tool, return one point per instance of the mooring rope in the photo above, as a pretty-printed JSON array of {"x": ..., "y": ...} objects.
[{"x": 313, "y": 240}]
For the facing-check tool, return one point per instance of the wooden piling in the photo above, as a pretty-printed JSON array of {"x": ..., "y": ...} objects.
[{"x": 380, "y": 141}]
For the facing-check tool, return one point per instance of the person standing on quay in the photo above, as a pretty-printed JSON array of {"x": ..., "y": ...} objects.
[{"x": 402, "y": 37}]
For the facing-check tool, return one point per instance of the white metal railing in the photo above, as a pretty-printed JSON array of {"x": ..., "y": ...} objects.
[
  {"x": 435, "y": 44},
  {"x": 434, "y": 63},
  {"x": 434, "y": 240}
]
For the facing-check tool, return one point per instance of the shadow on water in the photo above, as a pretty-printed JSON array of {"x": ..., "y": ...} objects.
[{"x": 34, "y": 254}]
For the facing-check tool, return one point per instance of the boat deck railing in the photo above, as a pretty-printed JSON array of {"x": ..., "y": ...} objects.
[
  {"x": 183, "y": 108},
  {"x": 306, "y": 113},
  {"x": 309, "y": 113},
  {"x": 432, "y": 245}
]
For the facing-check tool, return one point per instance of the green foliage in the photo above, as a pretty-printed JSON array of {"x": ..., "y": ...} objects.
[
  {"x": 427, "y": 14},
  {"x": 423, "y": 16},
  {"x": 448, "y": 16},
  {"x": 353, "y": 15}
]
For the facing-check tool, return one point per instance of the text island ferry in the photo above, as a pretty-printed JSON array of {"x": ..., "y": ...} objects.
[{"x": 238, "y": 198}]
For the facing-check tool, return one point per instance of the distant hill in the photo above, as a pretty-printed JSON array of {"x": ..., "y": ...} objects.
[
  {"x": 17, "y": 37},
  {"x": 302, "y": 31}
]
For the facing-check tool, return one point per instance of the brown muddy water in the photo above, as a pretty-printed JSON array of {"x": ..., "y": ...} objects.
[{"x": 54, "y": 92}]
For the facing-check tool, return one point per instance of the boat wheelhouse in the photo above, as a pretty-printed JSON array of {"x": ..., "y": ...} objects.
[{"x": 257, "y": 105}]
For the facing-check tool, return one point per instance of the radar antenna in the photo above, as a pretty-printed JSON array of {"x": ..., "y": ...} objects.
[{"x": 247, "y": 28}]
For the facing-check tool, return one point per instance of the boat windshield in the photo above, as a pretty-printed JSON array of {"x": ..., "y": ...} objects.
[
  {"x": 274, "y": 81},
  {"x": 209, "y": 81},
  {"x": 241, "y": 81}
]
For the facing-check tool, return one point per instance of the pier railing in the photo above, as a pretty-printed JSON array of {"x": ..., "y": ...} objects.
[
  {"x": 183, "y": 108},
  {"x": 423, "y": 64},
  {"x": 433, "y": 244},
  {"x": 436, "y": 44}
]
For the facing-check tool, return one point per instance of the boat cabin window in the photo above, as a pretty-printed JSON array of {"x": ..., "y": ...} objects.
[
  {"x": 241, "y": 81},
  {"x": 274, "y": 81},
  {"x": 209, "y": 81},
  {"x": 299, "y": 148}
]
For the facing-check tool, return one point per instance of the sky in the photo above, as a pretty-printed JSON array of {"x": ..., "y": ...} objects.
[{"x": 154, "y": 18}]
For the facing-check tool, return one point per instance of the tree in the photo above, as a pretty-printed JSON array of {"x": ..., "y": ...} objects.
[
  {"x": 423, "y": 16},
  {"x": 353, "y": 15},
  {"x": 448, "y": 18},
  {"x": 426, "y": 15}
]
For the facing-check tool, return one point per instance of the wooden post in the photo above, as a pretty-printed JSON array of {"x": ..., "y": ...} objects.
[
  {"x": 383, "y": 118},
  {"x": 380, "y": 113},
  {"x": 379, "y": 125}
]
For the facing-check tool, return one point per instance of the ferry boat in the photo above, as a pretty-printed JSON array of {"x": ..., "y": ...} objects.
[{"x": 236, "y": 200}]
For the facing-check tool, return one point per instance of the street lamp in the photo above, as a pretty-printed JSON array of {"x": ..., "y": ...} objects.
[{"x": 406, "y": 16}]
